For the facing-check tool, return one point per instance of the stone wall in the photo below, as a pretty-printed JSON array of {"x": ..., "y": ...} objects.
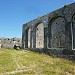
[
  {"x": 9, "y": 42},
  {"x": 53, "y": 31}
]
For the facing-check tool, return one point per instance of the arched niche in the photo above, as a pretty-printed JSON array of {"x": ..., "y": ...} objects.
[
  {"x": 73, "y": 31},
  {"x": 29, "y": 38},
  {"x": 57, "y": 32},
  {"x": 40, "y": 35}
]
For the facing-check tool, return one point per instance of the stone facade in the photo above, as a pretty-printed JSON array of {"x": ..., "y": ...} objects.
[
  {"x": 9, "y": 42},
  {"x": 51, "y": 32}
]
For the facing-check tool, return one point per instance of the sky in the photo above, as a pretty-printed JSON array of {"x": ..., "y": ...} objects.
[{"x": 15, "y": 13}]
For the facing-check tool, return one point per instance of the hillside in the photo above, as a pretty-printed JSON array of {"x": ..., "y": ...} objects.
[{"x": 23, "y": 62}]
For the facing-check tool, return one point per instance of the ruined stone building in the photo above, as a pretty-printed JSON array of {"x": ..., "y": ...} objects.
[
  {"x": 53, "y": 32},
  {"x": 9, "y": 42}
]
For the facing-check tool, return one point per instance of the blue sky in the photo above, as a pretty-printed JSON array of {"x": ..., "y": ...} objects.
[{"x": 14, "y": 13}]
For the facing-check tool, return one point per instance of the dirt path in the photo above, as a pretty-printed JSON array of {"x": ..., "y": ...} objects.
[
  {"x": 16, "y": 61},
  {"x": 15, "y": 72},
  {"x": 20, "y": 67}
]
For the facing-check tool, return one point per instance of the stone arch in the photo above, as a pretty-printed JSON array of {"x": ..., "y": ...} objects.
[
  {"x": 56, "y": 32},
  {"x": 73, "y": 30},
  {"x": 36, "y": 23},
  {"x": 38, "y": 37},
  {"x": 73, "y": 17},
  {"x": 27, "y": 37}
]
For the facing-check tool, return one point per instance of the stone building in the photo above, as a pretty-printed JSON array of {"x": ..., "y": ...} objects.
[
  {"x": 9, "y": 42},
  {"x": 52, "y": 33}
]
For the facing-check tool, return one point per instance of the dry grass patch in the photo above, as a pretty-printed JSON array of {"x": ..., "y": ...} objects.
[{"x": 21, "y": 62}]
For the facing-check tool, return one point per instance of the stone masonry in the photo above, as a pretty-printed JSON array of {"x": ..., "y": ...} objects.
[
  {"x": 53, "y": 32},
  {"x": 9, "y": 42}
]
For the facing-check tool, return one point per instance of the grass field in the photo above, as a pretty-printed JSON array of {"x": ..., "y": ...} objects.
[{"x": 23, "y": 62}]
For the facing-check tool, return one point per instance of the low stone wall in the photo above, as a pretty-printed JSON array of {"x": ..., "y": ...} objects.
[
  {"x": 48, "y": 51},
  {"x": 40, "y": 50},
  {"x": 55, "y": 52},
  {"x": 70, "y": 54},
  {"x": 7, "y": 46}
]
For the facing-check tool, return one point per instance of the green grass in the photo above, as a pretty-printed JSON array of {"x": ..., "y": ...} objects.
[{"x": 32, "y": 63}]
